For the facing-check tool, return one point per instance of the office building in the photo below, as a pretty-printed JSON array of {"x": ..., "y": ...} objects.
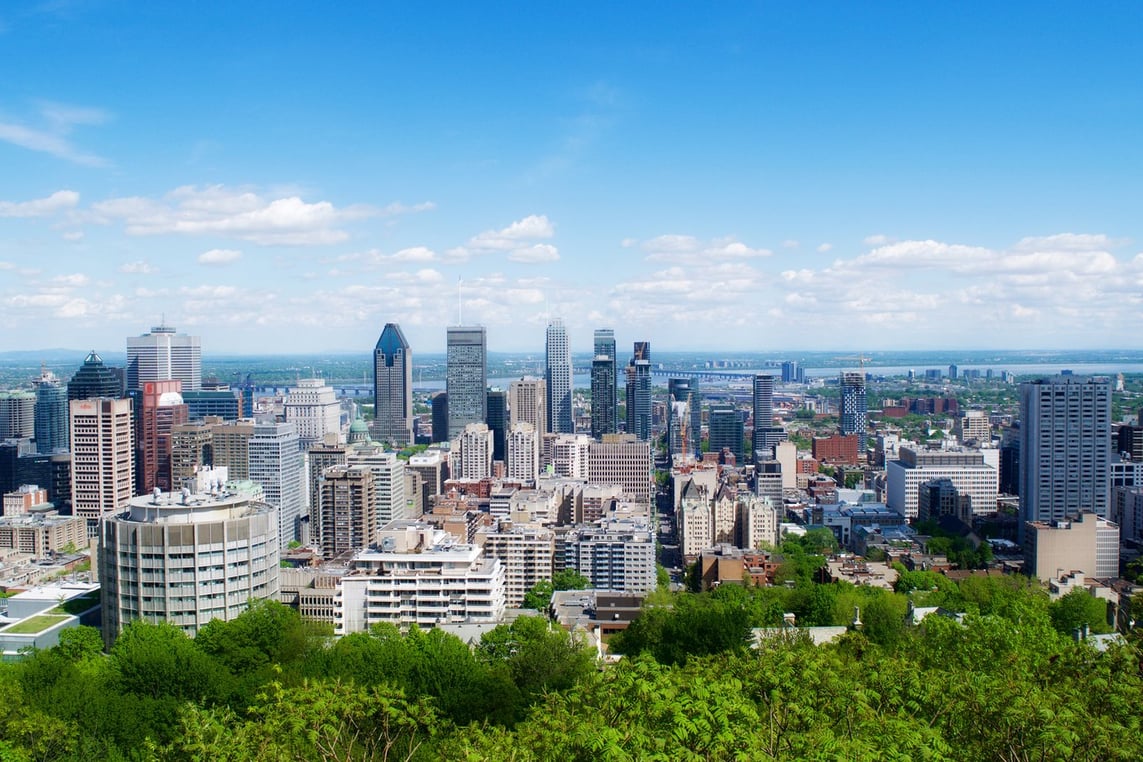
[
  {"x": 466, "y": 377},
  {"x": 192, "y": 449},
  {"x": 528, "y": 403},
  {"x": 973, "y": 427},
  {"x": 604, "y": 385},
  {"x": 792, "y": 373},
  {"x": 225, "y": 403},
  {"x": 1065, "y": 447},
  {"x": 498, "y": 422},
  {"x": 852, "y": 408},
  {"x": 346, "y": 510},
  {"x": 312, "y": 406},
  {"x": 440, "y": 417},
  {"x": 1086, "y": 543},
  {"x": 187, "y": 559},
  {"x": 159, "y": 410},
  {"x": 95, "y": 379},
  {"x": 525, "y": 552},
  {"x": 103, "y": 458},
  {"x": 625, "y": 460},
  {"x": 726, "y": 432},
  {"x": 17, "y": 415},
  {"x": 51, "y": 414},
  {"x": 568, "y": 455},
  {"x": 277, "y": 465},
  {"x": 684, "y": 418},
  {"x": 164, "y": 354},
  {"x": 975, "y": 475},
  {"x": 639, "y": 391},
  {"x": 558, "y": 375},
  {"x": 393, "y": 387},
  {"x": 388, "y": 480}
]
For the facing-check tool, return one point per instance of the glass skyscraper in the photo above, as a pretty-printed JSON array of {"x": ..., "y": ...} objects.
[
  {"x": 466, "y": 377},
  {"x": 558, "y": 374}
]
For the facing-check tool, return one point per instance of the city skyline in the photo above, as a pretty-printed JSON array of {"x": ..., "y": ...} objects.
[{"x": 953, "y": 178}]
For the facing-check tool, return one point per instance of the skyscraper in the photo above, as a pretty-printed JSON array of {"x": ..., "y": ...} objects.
[
  {"x": 766, "y": 434},
  {"x": 498, "y": 422},
  {"x": 164, "y": 354},
  {"x": 558, "y": 374},
  {"x": 1065, "y": 447},
  {"x": 852, "y": 406},
  {"x": 680, "y": 436},
  {"x": 312, "y": 406},
  {"x": 639, "y": 391},
  {"x": 94, "y": 379},
  {"x": 103, "y": 465},
  {"x": 440, "y": 417},
  {"x": 347, "y": 510},
  {"x": 17, "y": 415},
  {"x": 604, "y": 385},
  {"x": 277, "y": 464},
  {"x": 51, "y": 414},
  {"x": 466, "y": 377},
  {"x": 160, "y": 409},
  {"x": 393, "y": 387},
  {"x": 726, "y": 431}
]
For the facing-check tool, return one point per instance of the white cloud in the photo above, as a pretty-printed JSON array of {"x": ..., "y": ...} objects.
[
  {"x": 687, "y": 249},
  {"x": 141, "y": 267},
  {"x": 413, "y": 254},
  {"x": 790, "y": 243},
  {"x": 540, "y": 252},
  {"x": 73, "y": 279},
  {"x": 530, "y": 228},
  {"x": 52, "y": 138},
  {"x": 74, "y": 235},
  {"x": 231, "y": 212},
  {"x": 218, "y": 257},
  {"x": 825, "y": 247},
  {"x": 40, "y": 207},
  {"x": 878, "y": 239}
]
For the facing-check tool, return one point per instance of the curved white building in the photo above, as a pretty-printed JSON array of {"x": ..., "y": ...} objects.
[{"x": 187, "y": 558}]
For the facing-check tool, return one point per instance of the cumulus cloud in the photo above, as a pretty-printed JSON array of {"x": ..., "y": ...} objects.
[
  {"x": 51, "y": 136},
  {"x": 540, "y": 252},
  {"x": 40, "y": 207},
  {"x": 687, "y": 249},
  {"x": 219, "y": 257},
  {"x": 877, "y": 239},
  {"x": 236, "y": 213},
  {"x": 825, "y": 247},
  {"x": 520, "y": 241}
]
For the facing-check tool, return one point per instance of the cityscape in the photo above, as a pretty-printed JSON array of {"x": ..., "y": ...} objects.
[{"x": 494, "y": 383}]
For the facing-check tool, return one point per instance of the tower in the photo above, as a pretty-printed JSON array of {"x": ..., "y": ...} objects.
[
  {"x": 164, "y": 354},
  {"x": 639, "y": 391},
  {"x": 558, "y": 374},
  {"x": 313, "y": 408},
  {"x": 852, "y": 407},
  {"x": 393, "y": 387},
  {"x": 679, "y": 401},
  {"x": 348, "y": 510},
  {"x": 160, "y": 409},
  {"x": 277, "y": 465},
  {"x": 466, "y": 377},
  {"x": 604, "y": 386},
  {"x": 103, "y": 464},
  {"x": 17, "y": 415},
  {"x": 498, "y": 422},
  {"x": 1065, "y": 447},
  {"x": 51, "y": 414},
  {"x": 94, "y": 379},
  {"x": 527, "y": 402},
  {"x": 766, "y": 434}
]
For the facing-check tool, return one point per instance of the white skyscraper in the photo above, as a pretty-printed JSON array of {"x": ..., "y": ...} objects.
[
  {"x": 313, "y": 408},
  {"x": 163, "y": 354},
  {"x": 523, "y": 453},
  {"x": 277, "y": 464},
  {"x": 559, "y": 378},
  {"x": 528, "y": 403},
  {"x": 471, "y": 454}
]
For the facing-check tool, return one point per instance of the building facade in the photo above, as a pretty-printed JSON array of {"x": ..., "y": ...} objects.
[
  {"x": 853, "y": 408},
  {"x": 393, "y": 387},
  {"x": 466, "y": 377},
  {"x": 277, "y": 465},
  {"x": 312, "y": 407},
  {"x": 51, "y": 414},
  {"x": 164, "y": 354},
  {"x": 558, "y": 375},
  {"x": 103, "y": 458}
]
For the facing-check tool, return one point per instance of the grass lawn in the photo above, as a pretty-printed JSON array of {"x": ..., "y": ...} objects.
[{"x": 34, "y": 624}]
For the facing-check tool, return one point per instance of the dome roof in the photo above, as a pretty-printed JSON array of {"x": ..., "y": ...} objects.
[{"x": 167, "y": 399}]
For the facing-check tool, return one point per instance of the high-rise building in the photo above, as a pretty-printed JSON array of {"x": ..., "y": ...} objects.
[
  {"x": 312, "y": 406},
  {"x": 103, "y": 463},
  {"x": 319, "y": 457},
  {"x": 51, "y": 414},
  {"x": 466, "y": 377},
  {"x": 766, "y": 434},
  {"x": 498, "y": 422},
  {"x": 440, "y": 417},
  {"x": 625, "y": 460},
  {"x": 192, "y": 449},
  {"x": 17, "y": 415},
  {"x": 224, "y": 403},
  {"x": 470, "y": 456},
  {"x": 852, "y": 408},
  {"x": 528, "y": 403},
  {"x": 277, "y": 465},
  {"x": 348, "y": 510},
  {"x": 792, "y": 373},
  {"x": 186, "y": 559},
  {"x": 393, "y": 387},
  {"x": 684, "y": 418},
  {"x": 639, "y": 391},
  {"x": 558, "y": 374},
  {"x": 604, "y": 385},
  {"x": 388, "y": 480},
  {"x": 160, "y": 409},
  {"x": 523, "y": 453},
  {"x": 164, "y": 354},
  {"x": 94, "y": 379},
  {"x": 726, "y": 431},
  {"x": 603, "y": 392},
  {"x": 1065, "y": 447}
]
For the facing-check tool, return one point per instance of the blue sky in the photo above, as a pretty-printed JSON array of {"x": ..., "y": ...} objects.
[{"x": 287, "y": 176}]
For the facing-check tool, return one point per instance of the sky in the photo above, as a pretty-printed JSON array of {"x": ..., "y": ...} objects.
[{"x": 290, "y": 176}]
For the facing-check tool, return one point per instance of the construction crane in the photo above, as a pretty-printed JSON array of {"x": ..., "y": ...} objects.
[{"x": 860, "y": 359}]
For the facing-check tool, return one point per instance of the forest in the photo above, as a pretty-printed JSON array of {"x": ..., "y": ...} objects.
[{"x": 1008, "y": 682}]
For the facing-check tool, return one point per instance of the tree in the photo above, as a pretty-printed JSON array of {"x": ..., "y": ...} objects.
[
  {"x": 540, "y": 596},
  {"x": 79, "y": 643},
  {"x": 539, "y": 658},
  {"x": 1078, "y": 609},
  {"x": 570, "y": 579}
]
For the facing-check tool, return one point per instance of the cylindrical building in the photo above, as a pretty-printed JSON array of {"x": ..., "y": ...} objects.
[{"x": 187, "y": 558}]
